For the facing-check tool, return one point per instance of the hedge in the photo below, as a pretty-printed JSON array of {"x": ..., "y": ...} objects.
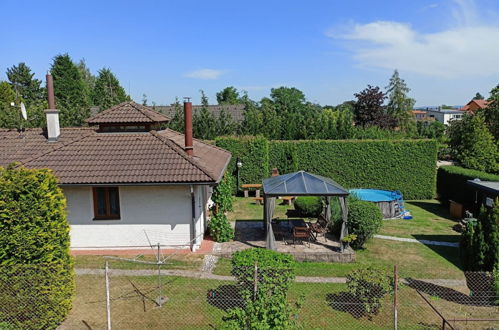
[
  {"x": 34, "y": 250},
  {"x": 451, "y": 183},
  {"x": 405, "y": 165},
  {"x": 253, "y": 152}
]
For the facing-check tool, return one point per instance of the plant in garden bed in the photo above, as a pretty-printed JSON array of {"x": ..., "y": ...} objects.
[
  {"x": 308, "y": 206},
  {"x": 364, "y": 220},
  {"x": 263, "y": 277},
  {"x": 369, "y": 286}
]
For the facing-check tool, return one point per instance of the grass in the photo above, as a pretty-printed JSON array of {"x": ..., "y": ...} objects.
[
  {"x": 430, "y": 221},
  {"x": 180, "y": 262},
  {"x": 200, "y": 303}
]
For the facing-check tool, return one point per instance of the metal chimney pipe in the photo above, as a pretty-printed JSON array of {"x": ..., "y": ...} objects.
[
  {"x": 50, "y": 90},
  {"x": 189, "y": 149}
]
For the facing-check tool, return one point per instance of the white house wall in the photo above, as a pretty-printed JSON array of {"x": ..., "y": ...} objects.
[{"x": 161, "y": 212}]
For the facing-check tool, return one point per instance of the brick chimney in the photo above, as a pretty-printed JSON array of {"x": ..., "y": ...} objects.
[
  {"x": 52, "y": 114},
  {"x": 189, "y": 149}
]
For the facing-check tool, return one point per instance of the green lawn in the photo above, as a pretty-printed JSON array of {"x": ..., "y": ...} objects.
[
  {"x": 191, "y": 305},
  {"x": 183, "y": 262},
  {"x": 430, "y": 221}
]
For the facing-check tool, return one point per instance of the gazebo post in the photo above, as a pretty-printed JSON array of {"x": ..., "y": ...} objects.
[
  {"x": 344, "y": 225},
  {"x": 268, "y": 211}
]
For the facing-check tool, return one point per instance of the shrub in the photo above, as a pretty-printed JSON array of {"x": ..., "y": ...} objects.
[
  {"x": 364, "y": 220},
  {"x": 479, "y": 247},
  {"x": 265, "y": 300},
  {"x": 308, "y": 206},
  {"x": 222, "y": 194},
  {"x": 369, "y": 286},
  {"x": 220, "y": 228},
  {"x": 34, "y": 242},
  {"x": 452, "y": 183},
  {"x": 405, "y": 165}
]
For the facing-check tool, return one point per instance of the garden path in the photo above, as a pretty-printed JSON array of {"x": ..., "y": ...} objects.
[{"x": 421, "y": 241}]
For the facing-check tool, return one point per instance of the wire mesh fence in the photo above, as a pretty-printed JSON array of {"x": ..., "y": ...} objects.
[{"x": 130, "y": 295}]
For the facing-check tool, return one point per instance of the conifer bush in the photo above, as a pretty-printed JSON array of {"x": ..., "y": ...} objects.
[
  {"x": 37, "y": 276},
  {"x": 364, "y": 220},
  {"x": 308, "y": 206}
]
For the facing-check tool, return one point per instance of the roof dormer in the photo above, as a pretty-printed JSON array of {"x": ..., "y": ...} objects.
[{"x": 128, "y": 117}]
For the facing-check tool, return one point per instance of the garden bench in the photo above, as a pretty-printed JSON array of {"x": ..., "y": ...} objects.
[
  {"x": 288, "y": 199},
  {"x": 246, "y": 187},
  {"x": 259, "y": 200}
]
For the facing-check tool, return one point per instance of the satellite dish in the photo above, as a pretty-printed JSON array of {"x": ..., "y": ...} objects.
[{"x": 23, "y": 111}]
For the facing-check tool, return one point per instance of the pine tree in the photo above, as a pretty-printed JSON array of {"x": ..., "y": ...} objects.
[
  {"x": 177, "y": 122},
  {"x": 399, "y": 104},
  {"x": 203, "y": 122},
  {"x": 9, "y": 115},
  {"x": 478, "y": 96},
  {"x": 25, "y": 85},
  {"x": 225, "y": 124},
  {"x": 87, "y": 76},
  {"x": 107, "y": 91},
  {"x": 72, "y": 98}
]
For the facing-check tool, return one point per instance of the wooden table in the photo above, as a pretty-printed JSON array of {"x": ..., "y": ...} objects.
[{"x": 248, "y": 186}]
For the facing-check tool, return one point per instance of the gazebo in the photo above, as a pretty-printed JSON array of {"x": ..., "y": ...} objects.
[{"x": 301, "y": 184}]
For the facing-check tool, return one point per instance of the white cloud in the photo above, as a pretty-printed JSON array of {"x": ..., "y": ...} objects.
[
  {"x": 205, "y": 74},
  {"x": 469, "y": 49}
]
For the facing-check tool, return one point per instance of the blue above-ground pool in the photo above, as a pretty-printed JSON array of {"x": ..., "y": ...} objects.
[{"x": 391, "y": 203}]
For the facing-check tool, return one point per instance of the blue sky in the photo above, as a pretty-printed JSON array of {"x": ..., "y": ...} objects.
[{"x": 445, "y": 50}]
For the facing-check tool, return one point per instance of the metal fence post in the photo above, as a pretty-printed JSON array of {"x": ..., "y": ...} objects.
[
  {"x": 255, "y": 281},
  {"x": 395, "y": 297},
  {"x": 108, "y": 299}
]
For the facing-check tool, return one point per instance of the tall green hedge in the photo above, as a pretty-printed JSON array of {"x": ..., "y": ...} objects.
[
  {"x": 451, "y": 183},
  {"x": 253, "y": 153},
  {"x": 34, "y": 250},
  {"x": 405, "y": 165}
]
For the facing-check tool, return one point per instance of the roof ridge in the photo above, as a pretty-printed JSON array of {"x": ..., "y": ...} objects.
[
  {"x": 182, "y": 153},
  {"x": 143, "y": 110},
  {"x": 198, "y": 140},
  {"x": 62, "y": 145},
  {"x": 100, "y": 114}
]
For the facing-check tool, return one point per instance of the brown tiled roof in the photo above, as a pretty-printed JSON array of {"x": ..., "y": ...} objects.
[
  {"x": 128, "y": 112},
  {"x": 83, "y": 156},
  {"x": 235, "y": 110},
  {"x": 207, "y": 155},
  {"x": 16, "y": 147},
  {"x": 481, "y": 104}
]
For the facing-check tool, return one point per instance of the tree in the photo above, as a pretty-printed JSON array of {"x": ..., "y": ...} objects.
[
  {"x": 229, "y": 95},
  {"x": 144, "y": 99},
  {"x": 108, "y": 91},
  {"x": 478, "y": 96},
  {"x": 369, "y": 109},
  {"x": 473, "y": 145},
  {"x": 399, "y": 104},
  {"x": 491, "y": 112},
  {"x": 87, "y": 76},
  {"x": 177, "y": 122},
  {"x": 34, "y": 249},
  {"x": 9, "y": 115},
  {"x": 225, "y": 124},
  {"x": 203, "y": 122},
  {"x": 72, "y": 97},
  {"x": 25, "y": 85},
  {"x": 253, "y": 117}
]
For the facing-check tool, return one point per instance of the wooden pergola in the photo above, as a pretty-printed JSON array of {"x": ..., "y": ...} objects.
[{"x": 301, "y": 184}]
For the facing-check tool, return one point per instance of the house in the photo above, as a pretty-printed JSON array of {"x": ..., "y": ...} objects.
[
  {"x": 444, "y": 115},
  {"x": 419, "y": 115},
  {"x": 474, "y": 105},
  {"x": 127, "y": 183},
  {"x": 236, "y": 111}
]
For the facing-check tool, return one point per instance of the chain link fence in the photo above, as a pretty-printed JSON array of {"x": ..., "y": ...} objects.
[{"x": 132, "y": 296}]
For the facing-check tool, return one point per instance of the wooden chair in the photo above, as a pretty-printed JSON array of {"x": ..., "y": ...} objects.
[
  {"x": 301, "y": 233},
  {"x": 320, "y": 227}
]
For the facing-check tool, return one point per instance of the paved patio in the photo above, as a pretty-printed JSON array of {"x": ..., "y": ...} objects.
[{"x": 249, "y": 233}]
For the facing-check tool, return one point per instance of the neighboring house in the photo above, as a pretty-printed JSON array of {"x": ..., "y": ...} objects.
[
  {"x": 235, "y": 110},
  {"x": 474, "y": 105},
  {"x": 420, "y": 115},
  {"x": 126, "y": 184},
  {"x": 444, "y": 115}
]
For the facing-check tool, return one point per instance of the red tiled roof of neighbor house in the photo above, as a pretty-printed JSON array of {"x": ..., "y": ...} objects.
[
  {"x": 475, "y": 104},
  {"x": 420, "y": 112},
  {"x": 128, "y": 112}
]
